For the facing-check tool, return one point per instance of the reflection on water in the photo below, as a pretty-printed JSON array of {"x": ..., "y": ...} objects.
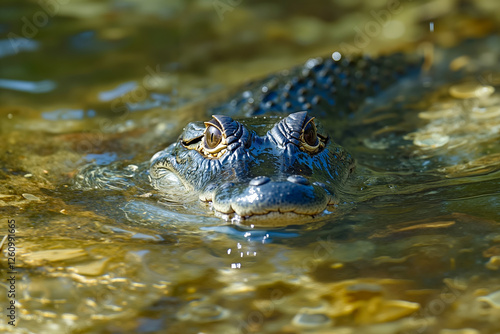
[
  {"x": 96, "y": 90},
  {"x": 28, "y": 86}
]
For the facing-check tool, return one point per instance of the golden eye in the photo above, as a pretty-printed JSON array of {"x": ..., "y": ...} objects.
[
  {"x": 214, "y": 142},
  {"x": 310, "y": 141},
  {"x": 213, "y": 137},
  {"x": 310, "y": 136}
]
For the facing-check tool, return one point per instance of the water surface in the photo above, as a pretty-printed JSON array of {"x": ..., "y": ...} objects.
[{"x": 414, "y": 247}]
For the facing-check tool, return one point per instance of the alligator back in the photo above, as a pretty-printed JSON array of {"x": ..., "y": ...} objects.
[{"x": 322, "y": 86}]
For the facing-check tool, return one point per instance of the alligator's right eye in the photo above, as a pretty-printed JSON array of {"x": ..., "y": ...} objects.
[
  {"x": 213, "y": 137},
  {"x": 311, "y": 141}
]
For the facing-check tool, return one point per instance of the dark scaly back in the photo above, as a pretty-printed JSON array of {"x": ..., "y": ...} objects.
[{"x": 321, "y": 86}]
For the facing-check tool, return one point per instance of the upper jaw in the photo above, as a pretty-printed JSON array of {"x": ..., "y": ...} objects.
[{"x": 261, "y": 199}]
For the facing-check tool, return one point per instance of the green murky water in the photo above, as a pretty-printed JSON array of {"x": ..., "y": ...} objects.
[{"x": 414, "y": 247}]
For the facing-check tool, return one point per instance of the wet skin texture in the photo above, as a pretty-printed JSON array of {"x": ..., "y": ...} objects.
[
  {"x": 255, "y": 175},
  {"x": 291, "y": 171}
]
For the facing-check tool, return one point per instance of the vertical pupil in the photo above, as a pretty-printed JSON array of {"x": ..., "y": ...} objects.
[
  {"x": 310, "y": 134},
  {"x": 213, "y": 137}
]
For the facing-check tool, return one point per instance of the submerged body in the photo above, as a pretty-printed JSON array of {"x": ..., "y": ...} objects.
[{"x": 270, "y": 171}]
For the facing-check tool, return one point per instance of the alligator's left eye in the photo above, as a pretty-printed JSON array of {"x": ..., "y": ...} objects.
[
  {"x": 310, "y": 136},
  {"x": 311, "y": 141}
]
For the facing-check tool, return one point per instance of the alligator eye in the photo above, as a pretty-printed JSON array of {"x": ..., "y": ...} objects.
[
  {"x": 213, "y": 137},
  {"x": 214, "y": 142},
  {"x": 311, "y": 141},
  {"x": 310, "y": 135}
]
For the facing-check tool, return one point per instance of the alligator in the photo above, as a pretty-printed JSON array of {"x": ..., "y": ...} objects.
[{"x": 267, "y": 169}]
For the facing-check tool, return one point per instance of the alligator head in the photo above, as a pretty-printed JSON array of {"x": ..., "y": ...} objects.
[{"x": 291, "y": 171}]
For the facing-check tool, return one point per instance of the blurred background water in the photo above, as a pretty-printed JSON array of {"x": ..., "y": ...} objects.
[{"x": 416, "y": 249}]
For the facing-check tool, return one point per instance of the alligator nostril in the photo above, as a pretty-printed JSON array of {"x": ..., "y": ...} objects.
[
  {"x": 259, "y": 180},
  {"x": 298, "y": 179}
]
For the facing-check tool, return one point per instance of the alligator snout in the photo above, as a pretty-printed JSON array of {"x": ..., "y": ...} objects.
[{"x": 262, "y": 197}]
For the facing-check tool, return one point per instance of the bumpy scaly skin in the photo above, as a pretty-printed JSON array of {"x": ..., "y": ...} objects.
[
  {"x": 271, "y": 176},
  {"x": 322, "y": 86}
]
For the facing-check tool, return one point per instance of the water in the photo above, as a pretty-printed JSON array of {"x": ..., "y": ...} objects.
[{"x": 414, "y": 247}]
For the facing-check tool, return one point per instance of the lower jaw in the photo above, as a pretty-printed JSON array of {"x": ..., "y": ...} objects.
[{"x": 270, "y": 219}]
